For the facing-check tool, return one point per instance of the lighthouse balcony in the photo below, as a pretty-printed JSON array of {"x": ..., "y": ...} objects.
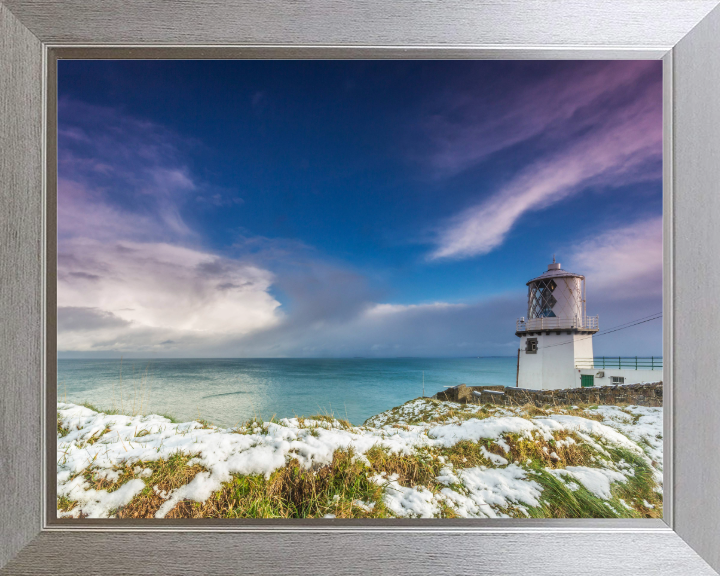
[{"x": 586, "y": 323}]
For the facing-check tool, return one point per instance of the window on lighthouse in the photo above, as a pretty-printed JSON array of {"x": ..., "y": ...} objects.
[{"x": 542, "y": 299}]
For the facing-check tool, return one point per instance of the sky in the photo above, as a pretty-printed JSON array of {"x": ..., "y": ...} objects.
[{"x": 352, "y": 208}]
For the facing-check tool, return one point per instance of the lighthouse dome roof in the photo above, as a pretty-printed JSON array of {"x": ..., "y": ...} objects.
[{"x": 555, "y": 271}]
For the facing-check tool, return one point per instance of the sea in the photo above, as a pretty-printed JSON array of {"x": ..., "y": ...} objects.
[{"x": 228, "y": 392}]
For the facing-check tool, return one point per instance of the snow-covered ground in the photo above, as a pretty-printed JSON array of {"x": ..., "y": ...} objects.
[{"x": 107, "y": 444}]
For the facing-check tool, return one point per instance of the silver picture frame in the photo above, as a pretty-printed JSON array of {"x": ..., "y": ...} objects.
[{"x": 685, "y": 34}]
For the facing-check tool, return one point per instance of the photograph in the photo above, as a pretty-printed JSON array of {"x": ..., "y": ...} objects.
[{"x": 359, "y": 289}]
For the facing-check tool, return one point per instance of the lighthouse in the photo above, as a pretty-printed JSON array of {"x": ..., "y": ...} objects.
[{"x": 556, "y": 335}]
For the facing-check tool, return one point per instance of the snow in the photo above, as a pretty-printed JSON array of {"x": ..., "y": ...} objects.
[
  {"x": 647, "y": 430},
  {"x": 596, "y": 480},
  {"x": 585, "y": 427},
  {"x": 489, "y": 487},
  {"x": 98, "y": 503},
  {"x": 414, "y": 409},
  {"x": 450, "y": 434},
  {"x": 494, "y": 458},
  {"x": 366, "y": 506},
  {"x": 415, "y": 502},
  {"x": 136, "y": 441}
]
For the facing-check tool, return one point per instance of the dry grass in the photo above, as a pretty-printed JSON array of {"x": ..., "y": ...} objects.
[
  {"x": 568, "y": 448},
  {"x": 345, "y": 487},
  {"x": 468, "y": 454},
  {"x": 584, "y": 411},
  {"x": 64, "y": 504},
  {"x": 531, "y": 411},
  {"x": 417, "y": 469},
  {"x": 433, "y": 412},
  {"x": 294, "y": 492},
  {"x": 61, "y": 429},
  {"x": 330, "y": 420},
  {"x": 97, "y": 435},
  {"x": 97, "y": 482},
  {"x": 167, "y": 475}
]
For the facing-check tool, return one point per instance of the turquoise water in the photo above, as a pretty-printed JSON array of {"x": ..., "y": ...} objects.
[{"x": 231, "y": 391}]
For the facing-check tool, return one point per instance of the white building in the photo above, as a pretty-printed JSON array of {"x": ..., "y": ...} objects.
[{"x": 556, "y": 348}]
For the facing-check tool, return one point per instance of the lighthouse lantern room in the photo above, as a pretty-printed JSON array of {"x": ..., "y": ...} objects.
[{"x": 556, "y": 333}]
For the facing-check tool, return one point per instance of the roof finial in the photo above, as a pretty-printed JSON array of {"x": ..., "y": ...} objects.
[{"x": 553, "y": 258}]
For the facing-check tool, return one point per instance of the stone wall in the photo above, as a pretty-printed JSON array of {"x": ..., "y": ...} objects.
[
  {"x": 638, "y": 394},
  {"x": 464, "y": 394}
]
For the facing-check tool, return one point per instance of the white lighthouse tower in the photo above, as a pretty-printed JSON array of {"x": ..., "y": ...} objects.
[{"x": 557, "y": 332}]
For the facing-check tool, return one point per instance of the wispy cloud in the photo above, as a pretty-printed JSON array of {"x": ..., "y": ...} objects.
[
  {"x": 623, "y": 262},
  {"x": 611, "y": 136},
  {"x": 119, "y": 176},
  {"x": 465, "y": 126},
  {"x": 623, "y": 271},
  {"x": 377, "y": 310}
]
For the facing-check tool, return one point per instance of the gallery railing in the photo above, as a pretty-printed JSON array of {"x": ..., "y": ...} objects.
[
  {"x": 586, "y": 323},
  {"x": 624, "y": 362}
]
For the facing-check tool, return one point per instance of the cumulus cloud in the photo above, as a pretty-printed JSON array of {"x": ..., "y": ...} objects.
[
  {"x": 133, "y": 278},
  {"x": 129, "y": 276},
  {"x": 158, "y": 292},
  {"x": 84, "y": 318},
  {"x": 603, "y": 146}
]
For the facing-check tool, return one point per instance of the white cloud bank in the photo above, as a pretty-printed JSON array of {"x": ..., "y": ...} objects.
[
  {"x": 130, "y": 275},
  {"x": 153, "y": 296}
]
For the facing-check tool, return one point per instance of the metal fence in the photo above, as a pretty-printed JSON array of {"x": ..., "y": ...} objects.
[
  {"x": 625, "y": 362},
  {"x": 588, "y": 323}
]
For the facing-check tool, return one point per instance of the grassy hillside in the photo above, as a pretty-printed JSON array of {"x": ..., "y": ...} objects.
[{"x": 426, "y": 458}]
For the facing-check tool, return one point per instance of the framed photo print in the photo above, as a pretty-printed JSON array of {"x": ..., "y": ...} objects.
[{"x": 330, "y": 290}]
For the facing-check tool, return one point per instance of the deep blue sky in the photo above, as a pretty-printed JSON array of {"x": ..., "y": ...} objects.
[{"x": 437, "y": 187}]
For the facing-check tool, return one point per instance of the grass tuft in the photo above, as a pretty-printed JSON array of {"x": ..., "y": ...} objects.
[
  {"x": 342, "y": 488},
  {"x": 168, "y": 475},
  {"x": 559, "y": 501},
  {"x": 61, "y": 429},
  {"x": 64, "y": 504},
  {"x": 417, "y": 469},
  {"x": 99, "y": 410},
  {"x": 330, "y": 420},
  {"x": 348, "y": 486}
]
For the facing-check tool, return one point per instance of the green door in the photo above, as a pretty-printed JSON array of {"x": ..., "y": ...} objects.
[{"x": 587, "y": 380}]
